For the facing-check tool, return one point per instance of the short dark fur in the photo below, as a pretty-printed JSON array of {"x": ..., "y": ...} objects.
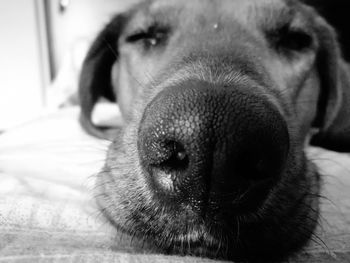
[{"x": 261, "y": 75}]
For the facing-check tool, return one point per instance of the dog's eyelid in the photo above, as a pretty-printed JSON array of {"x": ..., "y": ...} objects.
[
  {"x": 290, "y": 38},
  {"x": 302, "y": 37},
  {"x": 150, "y": 37}
]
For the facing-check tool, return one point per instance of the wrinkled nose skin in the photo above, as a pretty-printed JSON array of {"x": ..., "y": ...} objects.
[{"x": 216, "y": 149}]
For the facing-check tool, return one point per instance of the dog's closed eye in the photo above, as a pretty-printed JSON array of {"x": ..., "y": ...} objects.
[
  {"x": 150, "y": 37},
  {"x": 288, "y": 39}
]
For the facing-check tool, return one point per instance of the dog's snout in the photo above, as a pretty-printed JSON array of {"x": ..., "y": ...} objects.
[{"x": 199, "y": 142}]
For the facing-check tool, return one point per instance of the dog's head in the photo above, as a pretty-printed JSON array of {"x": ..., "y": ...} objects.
[{"x": 219, "y": 98}]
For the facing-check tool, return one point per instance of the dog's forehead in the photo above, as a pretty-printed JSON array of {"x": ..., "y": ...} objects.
[
  {"x": 247, "y": 12},
  {"x": 235, "y": 6}
]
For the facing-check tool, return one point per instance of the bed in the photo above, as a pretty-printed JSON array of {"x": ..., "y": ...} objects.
[{"x": 48, "y": 213}]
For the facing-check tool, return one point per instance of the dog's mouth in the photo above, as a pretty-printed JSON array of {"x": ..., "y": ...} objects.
[
  {"x": 217, "y": 175},
  {"x": 278, "y": 222}
]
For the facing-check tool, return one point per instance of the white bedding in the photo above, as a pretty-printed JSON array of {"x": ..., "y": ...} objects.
[{"x": 47, "y": 210}]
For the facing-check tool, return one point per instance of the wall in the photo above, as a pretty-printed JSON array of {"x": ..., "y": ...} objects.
[
  {"x": 81, "y": 21},
  {"x": 22, "y": 73}
]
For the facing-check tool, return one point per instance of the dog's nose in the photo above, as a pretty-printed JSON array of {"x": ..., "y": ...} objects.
[{"x": 198, "y": 142}]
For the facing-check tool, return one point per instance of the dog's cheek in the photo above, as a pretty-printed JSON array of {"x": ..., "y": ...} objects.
[
  {"x": 298, "y": 84},
  {"x": 136, "y": 77},
  {"x": 293, "y": 204},
  {"x": 120, "y": 187},
  {"x": 128, "y": 86},
  {"x": 305, "y": 102}
]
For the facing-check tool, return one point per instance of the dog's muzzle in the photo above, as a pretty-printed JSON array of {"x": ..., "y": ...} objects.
[{"x": 216, "y": 149}]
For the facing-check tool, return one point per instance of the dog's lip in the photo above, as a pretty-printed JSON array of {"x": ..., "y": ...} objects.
[
  {"x": 248, "y": 201},
  {"x": 198, "y": 237},
  {"x": 203, "y": 237},
  {"x": 206, "y": 236},
  {"x": 254, "y": 197}
]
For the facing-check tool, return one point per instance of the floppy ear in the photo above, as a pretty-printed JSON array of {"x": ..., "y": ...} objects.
[
  {"x": 333, "y": 118},
  {"x": 95, "y": 77}
]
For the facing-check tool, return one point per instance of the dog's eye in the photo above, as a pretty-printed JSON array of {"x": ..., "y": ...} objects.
[
  {"x": 151, "y": 37},
  {"x": 290, "y": 39}
]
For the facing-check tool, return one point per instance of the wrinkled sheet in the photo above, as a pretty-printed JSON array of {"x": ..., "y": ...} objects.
[{"x": 48, "y": 213}]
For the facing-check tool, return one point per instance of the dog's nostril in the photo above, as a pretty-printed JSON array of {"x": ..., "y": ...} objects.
[
  {"x": 181, "y": 155},
  {"x": 167, "y": 164},
  {"x": 258, "y": 166},
  {"x": 263, "y": 168},
  {"x": 177, "y": 158}
]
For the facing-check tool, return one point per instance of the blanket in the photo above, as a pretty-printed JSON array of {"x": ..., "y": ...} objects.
[{"x": 48, "y": 212}]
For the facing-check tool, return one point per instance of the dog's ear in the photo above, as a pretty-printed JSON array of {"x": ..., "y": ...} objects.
[
  {"x": 333, "y": 118},
  {"x": 95, "y": 77}
]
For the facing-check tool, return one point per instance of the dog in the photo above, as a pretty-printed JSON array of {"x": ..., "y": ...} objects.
[{"x": 219, "y": 100}]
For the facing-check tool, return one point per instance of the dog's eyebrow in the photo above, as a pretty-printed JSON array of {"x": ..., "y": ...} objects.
[
  {"x": 147, "y": 18},
  {"x": 284, "y": 18},
  {"x": 275, "y": 18}
]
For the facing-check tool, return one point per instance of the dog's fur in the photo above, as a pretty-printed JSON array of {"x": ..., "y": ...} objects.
[{"x": 279, "y": 51}]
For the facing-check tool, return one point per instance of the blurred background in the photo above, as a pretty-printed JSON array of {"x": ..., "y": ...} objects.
[{"x": 43, "y": 43}]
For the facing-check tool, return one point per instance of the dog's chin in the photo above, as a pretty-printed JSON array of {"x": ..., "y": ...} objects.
[{"x": 280, "y": 226}]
